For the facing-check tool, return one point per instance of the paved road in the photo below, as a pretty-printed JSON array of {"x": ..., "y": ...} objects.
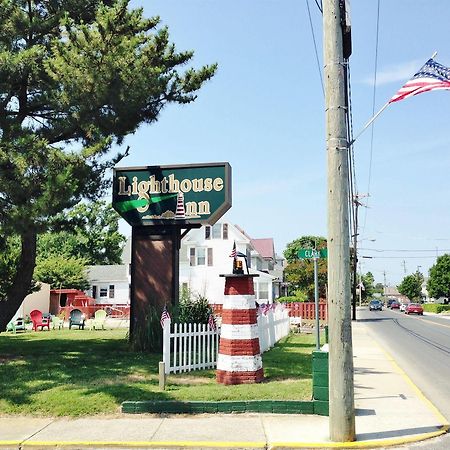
[{"x": 421, "y": 347}]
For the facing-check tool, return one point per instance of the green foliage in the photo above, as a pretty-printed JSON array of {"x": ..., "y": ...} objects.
[
  {"x": 435, "y": 308},
  {"x": 192, "y": 308},
  {"x": 299, "y": 297},
  {"x": 150, "y": 337},
  {"x": 317, "y": 242},
  {"x": 94, "y": 235},
  {"x": 300, "y": 273},
  {"x": 62, "y": 272},
  {"x": 75, "y": 79},
  {"x": 439, "y": 281},
  {"x": 369, "y": 289},
  {"x": 411, "y": 286}
]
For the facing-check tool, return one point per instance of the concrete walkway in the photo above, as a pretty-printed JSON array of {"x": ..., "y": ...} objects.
[{"x": 390, "y": 410}]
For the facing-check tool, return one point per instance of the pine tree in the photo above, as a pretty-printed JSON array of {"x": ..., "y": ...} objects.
[{"x": 76, "y": 76}]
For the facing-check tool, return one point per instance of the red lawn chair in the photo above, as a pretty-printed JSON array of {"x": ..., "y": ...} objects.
[{"x": 38, "y": 320}]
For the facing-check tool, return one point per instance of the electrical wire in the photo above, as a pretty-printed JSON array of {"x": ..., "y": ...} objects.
[
  {"x": 315, "y": 46},
  {"x": 373, "y": 107}
]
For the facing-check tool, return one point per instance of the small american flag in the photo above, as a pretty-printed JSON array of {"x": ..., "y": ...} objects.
[
  {"x": 164, "y": 316},
  {"x": 430, "y": 77},
  {"x": 212, "y": 322},
  {"x": 265, "y": 309},
  {"x": 233, "y": 252}
]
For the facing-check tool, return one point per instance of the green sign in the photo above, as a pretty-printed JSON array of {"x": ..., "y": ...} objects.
[
  {"x": 189, "y": 194},
  {"x": 310, "y": 253}
]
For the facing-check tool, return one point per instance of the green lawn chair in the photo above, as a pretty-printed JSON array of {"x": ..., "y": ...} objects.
[
  {"x": 98, "y": 322},
  {"x": 16, "y": 325},
  {"x": 57, "y": 323}
]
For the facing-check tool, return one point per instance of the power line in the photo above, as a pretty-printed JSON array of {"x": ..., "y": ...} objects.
[
  {"x": 373, "y": 105},
  {"x": 315, "y": 45}
]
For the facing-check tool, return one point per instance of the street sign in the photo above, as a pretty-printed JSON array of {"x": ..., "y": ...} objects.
[
  {"x": 311, "y": 253},
  {"x": 158, "y": 195}
]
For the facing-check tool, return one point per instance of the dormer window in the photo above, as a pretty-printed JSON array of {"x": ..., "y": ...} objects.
[{"x": 217, "y": 231}]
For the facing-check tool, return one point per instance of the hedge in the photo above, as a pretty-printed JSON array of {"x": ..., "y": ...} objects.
[{"x": 435, "y": 308}]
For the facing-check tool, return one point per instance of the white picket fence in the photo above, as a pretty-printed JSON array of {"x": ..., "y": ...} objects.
[{"x": 192, "y": 346}]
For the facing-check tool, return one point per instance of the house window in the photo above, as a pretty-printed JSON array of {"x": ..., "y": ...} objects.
[
  {"x": 225, "y": 231},
  {"x": 263, "y": 291},
  {"x": 200, "y": 256},
  {"x": 94, "y": 291},
  {"x": 103, "y": 292},
  {"x": 210, "y": 257},
  {"x": 217, "y": 231},
  {"x": 111, "y": 291},
  {"x": 197, "y": 256}
]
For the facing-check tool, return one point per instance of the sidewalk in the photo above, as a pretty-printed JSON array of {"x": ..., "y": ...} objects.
[{"x": 390, "y": 410}]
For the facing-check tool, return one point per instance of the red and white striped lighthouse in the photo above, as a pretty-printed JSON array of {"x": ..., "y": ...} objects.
[{"x": 239, "y": 360}]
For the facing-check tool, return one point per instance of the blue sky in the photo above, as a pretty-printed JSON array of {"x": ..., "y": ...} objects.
[{"x": 264, "y": 113}]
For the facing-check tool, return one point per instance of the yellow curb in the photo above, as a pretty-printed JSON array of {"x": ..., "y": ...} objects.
[
  {"x": 359, "y": 444},
  {"x": 148, "y": 444}
]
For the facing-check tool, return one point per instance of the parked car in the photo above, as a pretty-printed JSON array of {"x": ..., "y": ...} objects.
[
  {"x": 414, "y": 308},
  {"x": 395, "y": 305},
  {"x": 390, "y": 301},
  {"x": 375, "y": 305}
]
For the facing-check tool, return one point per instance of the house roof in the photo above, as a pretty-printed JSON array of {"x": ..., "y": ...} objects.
[
  {"x": 108, "y": 273},
  {"x": 264, "y": 247}
]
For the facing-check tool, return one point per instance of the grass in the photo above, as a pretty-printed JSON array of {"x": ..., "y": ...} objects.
[{"x": 76, "y": 373}]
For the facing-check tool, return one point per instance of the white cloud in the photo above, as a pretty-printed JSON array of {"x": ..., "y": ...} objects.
[{"x": 398, "y": 73}]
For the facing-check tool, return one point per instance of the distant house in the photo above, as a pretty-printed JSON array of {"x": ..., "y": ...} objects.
[
  {"x": 110, "y": 285},
  {"x": 392, "y": 292},
  {"x": 204, "y": 256}
]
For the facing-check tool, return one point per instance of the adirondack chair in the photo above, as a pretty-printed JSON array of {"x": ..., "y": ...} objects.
[
  {"x": 57, "y": 322},
  {"x": 16, "y": 325},
  {"x": 77, "y": 318},
  {"x": 98, "y": 321},
  {"x": 38, "y": 320}
]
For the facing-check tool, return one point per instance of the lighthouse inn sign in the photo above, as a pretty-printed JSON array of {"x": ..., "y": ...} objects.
[{"x": 178, "y": 194}]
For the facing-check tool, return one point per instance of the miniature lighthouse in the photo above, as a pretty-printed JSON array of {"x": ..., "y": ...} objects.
[
  {"x": 180, "y": 212},
  {"x": 239, "y": 360}
]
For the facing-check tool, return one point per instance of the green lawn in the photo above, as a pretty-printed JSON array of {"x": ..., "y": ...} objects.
[{"x": 76, "y": 372}]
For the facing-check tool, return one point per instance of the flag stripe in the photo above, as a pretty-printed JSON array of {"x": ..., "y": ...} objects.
[{"x": 432, "y": 76}]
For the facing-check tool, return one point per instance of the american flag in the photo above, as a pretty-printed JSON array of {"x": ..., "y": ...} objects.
[
  {"x": 212, "y": 323},
  {"x": 430, "y": 77},
  {"x": 233, "y": 252},
  {"x": 164, "y": 316}
]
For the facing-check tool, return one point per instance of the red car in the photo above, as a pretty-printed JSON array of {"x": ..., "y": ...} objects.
[
  {"x": 395, "y": 305},
  {"x": 414, "y": 308}
]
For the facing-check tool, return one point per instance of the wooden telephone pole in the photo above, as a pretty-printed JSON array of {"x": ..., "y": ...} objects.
[{"x": 341, "y": 387}]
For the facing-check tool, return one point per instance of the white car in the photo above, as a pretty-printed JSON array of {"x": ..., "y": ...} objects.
[{"x": 403, "y": 307}]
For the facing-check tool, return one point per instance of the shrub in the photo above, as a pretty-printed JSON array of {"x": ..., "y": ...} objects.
[
  {"x": 193, "y": 308},
  {"x": 290, "y": 299},
  {"x": 435, "y": 308}
]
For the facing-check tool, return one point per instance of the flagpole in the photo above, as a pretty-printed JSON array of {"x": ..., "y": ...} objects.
[
  {"x": 375, "y": 116},
  {"x": 368, "y": 124}
]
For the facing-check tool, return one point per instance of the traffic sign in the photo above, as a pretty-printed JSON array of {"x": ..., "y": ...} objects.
[{"x": 311, "y": 253}]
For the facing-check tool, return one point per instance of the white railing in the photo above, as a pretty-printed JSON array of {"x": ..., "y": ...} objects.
[{"x": 192, "y": 346}]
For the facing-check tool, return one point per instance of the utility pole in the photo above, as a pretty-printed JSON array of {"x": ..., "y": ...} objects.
[{"x": 341, "y": 386}]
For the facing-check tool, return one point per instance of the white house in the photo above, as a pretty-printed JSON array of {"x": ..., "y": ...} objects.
[
  {"x": 110, "y": 285},
  {"x": 205, "y": 255}
]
